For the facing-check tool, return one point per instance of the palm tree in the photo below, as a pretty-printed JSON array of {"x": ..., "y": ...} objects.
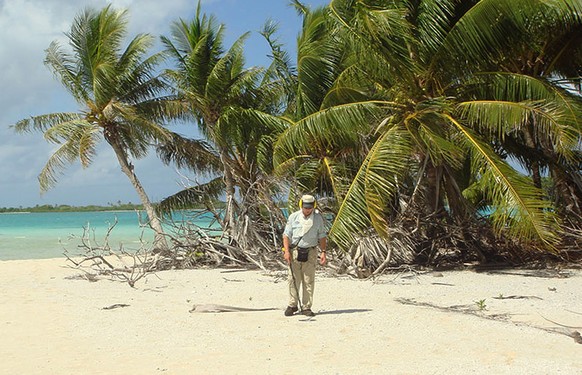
[
  {"x": 232, "y": 107},
  {"x": 318, "y": 81},
  {"x": 443, "y": 118},
  {"x": 116, "y": 89},
  {"x": 547, "y": 62}
]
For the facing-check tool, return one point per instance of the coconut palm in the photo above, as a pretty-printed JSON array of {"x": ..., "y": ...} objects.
[
  {"x": 444, "y": 116},
  {"x": 116, "y": 89},
  {"x": 547, "y": 63},
  {"x": 316, "y": 82},
  {"x": 232, "y": 107}
]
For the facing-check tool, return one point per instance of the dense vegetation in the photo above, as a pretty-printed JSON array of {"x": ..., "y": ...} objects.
[{"x": 405, "y": 118}]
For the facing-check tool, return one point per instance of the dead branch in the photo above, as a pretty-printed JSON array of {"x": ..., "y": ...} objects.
[
  {"x": 97, "y": 261},
  {"x": 469, "y": 309}
]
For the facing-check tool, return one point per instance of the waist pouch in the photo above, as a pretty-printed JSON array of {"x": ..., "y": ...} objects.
[{"x": 302, "y": 254}]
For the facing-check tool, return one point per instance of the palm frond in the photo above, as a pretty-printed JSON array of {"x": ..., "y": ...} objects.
[
  {"x": 492, "y": 28},
  {"x": 514, "y": 198},
  {"x": 432, "y": 20},
  {"x": 196, "y": 155},
  {"x": 318, "y": 62},
  {"x": 383, "y": 29},
  {"x": 367, "y": 201},
  {"x": 350, "y": 86},
  {"x": 352, "y": 216},
  {"x": 44, "y": 122},
  {"x": 503, "y": 118},
  {"x": 387, "y": 163},
  {"x": 281, "y": 65},
  {"x": 330, "y": 129},
  {"x": 301, "y": 8},
  {"x": 437, "y": 145},
  {"x": 192, "y": 196},
  {"x": 225, "y": 71},
  {"x": 245, "y": 124},
  {"x": 65, "y": 70},
  {"x": 78, "y": 141}
]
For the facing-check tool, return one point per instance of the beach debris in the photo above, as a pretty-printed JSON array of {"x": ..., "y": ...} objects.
[
  {"x": 115, "y": 306},
  {"x": 444, "y": 284},
  {"x": 98, "y": 260},
  {"x": 233, "y": 280},
  {"x": 559, "y": 324},
  {"x": 214, "y": 308},
  {"x": 466, "y": 309},
  {"x": 517, "y": 297}
]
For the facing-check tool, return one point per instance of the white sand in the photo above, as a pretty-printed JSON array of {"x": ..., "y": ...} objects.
[{"x": 53, "y": 325}]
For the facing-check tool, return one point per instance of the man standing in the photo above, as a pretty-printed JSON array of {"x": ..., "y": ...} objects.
[{"x": 305, "y": 230}]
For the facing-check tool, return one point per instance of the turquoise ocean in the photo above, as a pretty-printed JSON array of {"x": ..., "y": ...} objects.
[{"x": 50, "y": 234}]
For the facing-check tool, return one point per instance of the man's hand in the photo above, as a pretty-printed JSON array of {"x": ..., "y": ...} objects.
[
  {"x": 323, "y": 259},
  {"x": 287, "y": 256}
]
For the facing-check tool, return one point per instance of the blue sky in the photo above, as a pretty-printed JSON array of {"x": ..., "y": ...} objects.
[{"x": 29, "y": 88}]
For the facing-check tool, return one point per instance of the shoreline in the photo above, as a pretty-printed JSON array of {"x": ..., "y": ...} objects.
[{"x": 451, "y": 322}]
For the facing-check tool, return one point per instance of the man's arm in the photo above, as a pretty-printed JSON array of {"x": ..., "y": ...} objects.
[
  {"x": 323, "y": 247},
  {"x": 286, "y": 253}
]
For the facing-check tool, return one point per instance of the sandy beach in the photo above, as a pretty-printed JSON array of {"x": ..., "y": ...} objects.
[{"x": 461, "y": 322}]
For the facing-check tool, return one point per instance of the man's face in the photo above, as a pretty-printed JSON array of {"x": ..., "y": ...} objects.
[{"x": 307, "y": 211}]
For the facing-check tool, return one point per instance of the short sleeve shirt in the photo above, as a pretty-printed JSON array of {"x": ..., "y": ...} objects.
[{"x": 294, "y": 229}]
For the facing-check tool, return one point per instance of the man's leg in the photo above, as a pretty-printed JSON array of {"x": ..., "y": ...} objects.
[
  {"x": 308, "y": 269},
  {"x": 294, "y": 281}
]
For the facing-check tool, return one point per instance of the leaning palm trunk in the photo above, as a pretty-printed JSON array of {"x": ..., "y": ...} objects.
[
  {"x": 229, "y": 185},
  {"x": 154, "y": 220},
  {"x": 116, "y": 88}
]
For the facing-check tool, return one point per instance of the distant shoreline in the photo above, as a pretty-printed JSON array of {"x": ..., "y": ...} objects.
[
  {"x": 120, "y": 207},
  {"x": 68, "y": 208}
]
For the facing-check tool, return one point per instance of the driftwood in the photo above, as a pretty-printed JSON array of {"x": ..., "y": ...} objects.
[
  {"x": 252, "y": 241},
  {"x": 115, "y": 306},
  {"x": 214, "y": 308},
  {"x": 470, "y": 309},
  {"x": 561, "y": 325},
  {"x": 518, "y": 297},
  {"x": 100, "y": 260}
]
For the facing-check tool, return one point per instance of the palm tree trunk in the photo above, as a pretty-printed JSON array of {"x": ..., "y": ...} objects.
[
  {"x": 229, "y": 187},
  {"x": 154, "y": 221},
  {"x": 567, "y": 195}
]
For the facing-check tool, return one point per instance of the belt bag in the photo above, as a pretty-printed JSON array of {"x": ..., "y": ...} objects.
[{"x": 302, "y": 254}]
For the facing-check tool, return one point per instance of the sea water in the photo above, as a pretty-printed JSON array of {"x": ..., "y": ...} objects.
[{"x": 51, "y": 234}]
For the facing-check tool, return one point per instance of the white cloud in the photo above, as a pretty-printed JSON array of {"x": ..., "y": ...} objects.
[{"x": 28, "y": 27}]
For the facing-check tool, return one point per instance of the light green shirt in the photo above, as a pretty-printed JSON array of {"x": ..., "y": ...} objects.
[{"x": 305, "y": 232}]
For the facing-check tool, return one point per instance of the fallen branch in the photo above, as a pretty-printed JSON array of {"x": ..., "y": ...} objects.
[
  {"x": 464, "y": 309},
  {"x": 558, "y": 324},
  {"x": 115, "y": 306},
  {"x": 518, "y": 297},
  {"x": 96, "y": 260},
  {"x": 214, "y": 308}
]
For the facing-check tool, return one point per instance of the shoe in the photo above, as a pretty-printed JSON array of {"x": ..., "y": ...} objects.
[
  {"x": 307, "y": 312},
  {"x": 290, "y": 310}
]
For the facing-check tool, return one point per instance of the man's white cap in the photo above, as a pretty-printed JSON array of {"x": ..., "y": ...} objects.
[{"x": 307, "y": 201}]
